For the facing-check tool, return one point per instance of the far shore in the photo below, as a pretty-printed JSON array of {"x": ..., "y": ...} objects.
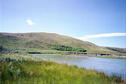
[{"x": 117, "y": 56}]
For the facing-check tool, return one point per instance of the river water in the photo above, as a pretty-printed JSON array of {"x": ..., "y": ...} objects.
[{"x": 109, "y": 66}]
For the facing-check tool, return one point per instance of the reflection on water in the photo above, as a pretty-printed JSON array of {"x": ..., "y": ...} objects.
[{"x": 107, "y": 65}]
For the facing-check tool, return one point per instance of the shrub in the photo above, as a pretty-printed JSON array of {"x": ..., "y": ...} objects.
[{"x": 67, "y": 48}]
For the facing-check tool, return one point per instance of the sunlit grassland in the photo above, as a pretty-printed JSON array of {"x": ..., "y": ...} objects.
[
  {"x": 23, "y": 69},
  {"x": 45, "y": 41}
]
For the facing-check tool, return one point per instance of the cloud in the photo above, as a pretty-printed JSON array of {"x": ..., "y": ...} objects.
[
  {"x": 102, "y": 35},
  {"x": 30, "y": 22}
]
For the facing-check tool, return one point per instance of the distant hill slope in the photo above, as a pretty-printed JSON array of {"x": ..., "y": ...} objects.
[
  {"x": 45, "y": 40},
  {"x": 121, "y": 50}
]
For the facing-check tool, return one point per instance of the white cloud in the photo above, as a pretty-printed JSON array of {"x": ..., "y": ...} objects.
[
  {"x": 102, "y": 35},
  {"x": 30, "y": 22}
]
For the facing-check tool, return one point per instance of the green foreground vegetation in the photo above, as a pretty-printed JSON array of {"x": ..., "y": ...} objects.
[
  {"x": 24, "y": 69},
  {"x": 17, "y": 67}
]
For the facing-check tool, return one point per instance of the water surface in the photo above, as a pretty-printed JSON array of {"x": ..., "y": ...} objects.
[{"x": 109, "y": 66}]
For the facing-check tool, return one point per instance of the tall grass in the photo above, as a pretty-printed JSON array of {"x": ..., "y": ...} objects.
[{"x": 18, "y": 69}]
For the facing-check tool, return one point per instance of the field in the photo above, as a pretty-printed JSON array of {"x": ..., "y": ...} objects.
[{"x": 24, "y": 69}]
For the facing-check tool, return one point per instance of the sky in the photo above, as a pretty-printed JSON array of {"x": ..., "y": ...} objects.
[{"x": 102, "y": 22}]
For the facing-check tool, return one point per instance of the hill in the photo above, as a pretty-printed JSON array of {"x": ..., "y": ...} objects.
[
  {"x": 44, "y": 41},
  {"x": 121, "y": 50}
]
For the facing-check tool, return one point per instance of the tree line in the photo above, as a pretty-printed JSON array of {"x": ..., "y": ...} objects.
[{"x": 67, "y": 48}]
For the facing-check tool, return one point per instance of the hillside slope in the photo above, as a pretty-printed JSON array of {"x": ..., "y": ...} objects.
[
  {"x": 121, "y": 50},
  {"x": 45, "y": 40}
]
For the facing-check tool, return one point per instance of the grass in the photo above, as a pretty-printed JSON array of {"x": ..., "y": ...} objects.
[
  {"x": 63, "y": 53},
  {"x": 45, "y": 41},
  {"x": 23, "y": 69},
  {"x": 99, "y": 56},
  {"x": 45, "y": 52}
]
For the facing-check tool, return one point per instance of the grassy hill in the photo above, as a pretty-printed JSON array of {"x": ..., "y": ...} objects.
[
  {"x": 44, "y": 41},
  {"x": 121, "y": 50}
]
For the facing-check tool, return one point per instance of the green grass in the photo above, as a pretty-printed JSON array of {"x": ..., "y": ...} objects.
[
  {"x": 62, "y": 53},
  {"x": 47, "y": 52},
  {"x": 46, "y": 41},
  {"x": 99, "y": 56},
  {"x": 22, "y": 69}
]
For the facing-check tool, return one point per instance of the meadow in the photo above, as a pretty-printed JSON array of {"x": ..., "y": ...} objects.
[{"x": 24, "y": 69}]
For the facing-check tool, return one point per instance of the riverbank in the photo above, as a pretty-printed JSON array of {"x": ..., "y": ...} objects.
[
  {"x": 117, "y": 56},
  {"x": 99, "y": 56},
  {"x": 16, "y": 68}
]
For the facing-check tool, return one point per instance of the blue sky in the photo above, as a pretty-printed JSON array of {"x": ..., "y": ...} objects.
[{"x": 76, "y": 18}]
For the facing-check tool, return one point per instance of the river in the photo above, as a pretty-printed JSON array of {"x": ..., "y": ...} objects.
[{"x": 109, "y": 66}]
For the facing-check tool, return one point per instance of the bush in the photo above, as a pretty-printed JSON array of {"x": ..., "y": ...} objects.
[
  {"x": 67, "y": 48},
  {"x": 2, "y": 49}
]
